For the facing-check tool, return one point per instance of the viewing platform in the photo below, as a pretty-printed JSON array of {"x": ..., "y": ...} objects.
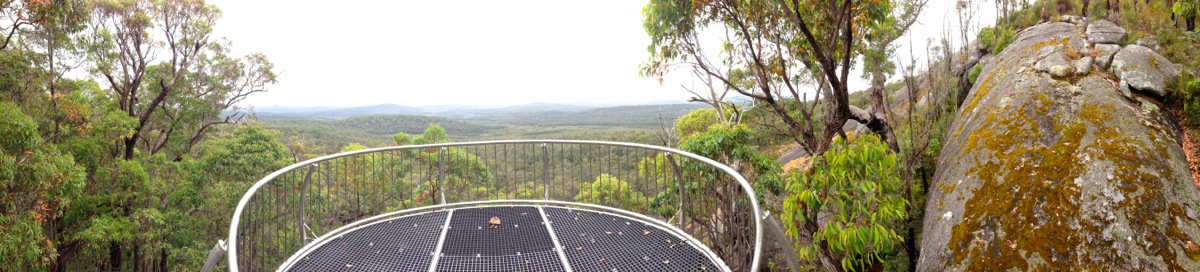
[{"x": 543, "y": 205}]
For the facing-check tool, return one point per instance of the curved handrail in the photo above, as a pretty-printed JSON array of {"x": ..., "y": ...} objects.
[{"x": 749, "y": 190}]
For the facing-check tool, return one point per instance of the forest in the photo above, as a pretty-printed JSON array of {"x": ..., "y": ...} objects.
[
  {"x": 329, "y": 130},
  {"x": 124, "y": 138}
]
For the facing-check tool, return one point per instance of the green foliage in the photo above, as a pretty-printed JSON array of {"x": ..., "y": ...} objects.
[
  {"x": 609, "y": 191},
  {"x": 731, "y": 145},
  {"x": 974, "y": 75},
  {"x": 855, "y": 185},
  {"x": 434, "y": 134},
  {"x": 995, "y": 39},
  {"x": 1006, "y": 38},
  {"x": 25, "y": 245},
  {"x": 17, "y": 130},
  {"x": 634, "y": 117},
  {"x": 82, "y": 167},
  {"x": 1186, "y": 8},
  {"x": 1180, "y": 47},
  {"x": 626, "y": 124},
  {"x": 987, "y": 38},
  {"x": 1189, "y": 86},
  {"x": 696, "y": 121},
  {"x": 386, "y": 124},
  {"x": 352, "y": 147},
  {"x": 228, "y": 155},
  {"x": 771, "y": 129},
  {"x": 37, "y": 182}
]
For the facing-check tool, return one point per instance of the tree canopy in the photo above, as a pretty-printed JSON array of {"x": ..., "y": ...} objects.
[{"x": 772, "y": 51}]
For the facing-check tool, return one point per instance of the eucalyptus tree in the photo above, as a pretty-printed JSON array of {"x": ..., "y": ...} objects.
[
  {"x": 37, "y": 182},
  {"x": 161, "y": 68},
  {"x": 777, "y": 52},
  {"x": 206, "y": 97},
  {"x": 160, "y": 59},
  {"x": 772, "y": 51}
]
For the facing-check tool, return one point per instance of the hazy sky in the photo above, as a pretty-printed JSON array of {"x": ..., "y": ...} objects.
[{"x": 353, "y": 53}]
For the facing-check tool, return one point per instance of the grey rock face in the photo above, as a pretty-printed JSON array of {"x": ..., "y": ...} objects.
[
  {"x": 1104, "y": 53},
  {"x": 1105, "y": 32},
  {"x": 1124, "y": 87},
  {"x": 1083, "y": 66},
  {"x": 851, "y": 125},
  {"x": 1056, "y": 64},
  {"x": 1145, "y": 70},
  {"x": 1072, "y": 19},
  {"x": 1040, "y": 173}
]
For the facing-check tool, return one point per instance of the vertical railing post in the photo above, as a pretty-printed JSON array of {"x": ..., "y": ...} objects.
[
  {"x": 679, "y": 184},
  {"x": 214, "y": 256},
  {"x": 442, "y": 174},
  {"x": 546, "y": 172},
  {"x": 300, "y": 214}
]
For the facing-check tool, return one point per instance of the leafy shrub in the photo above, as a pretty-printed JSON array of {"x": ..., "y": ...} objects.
[
  {"x": 856, "y": 190},
  {"x": 1187, "y": 10},
  {"x": 1190, "y": 88},
  {"x": 1006, "y": 38},
  {"x": 987, "y": 38},
  {"x": 974, "y": 75},
  {"x": 995, "y": 38},
  {"x": 609, "y": 191}
]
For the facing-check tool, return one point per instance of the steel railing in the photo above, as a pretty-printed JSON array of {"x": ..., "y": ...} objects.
[{"x": 290, "y": 208}]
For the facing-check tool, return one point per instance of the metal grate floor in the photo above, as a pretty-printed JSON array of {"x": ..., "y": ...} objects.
[
  {"x": 401, "y": 244},
  {"x": 590, "y": 241},
  {"x": 602, "y": 242}
]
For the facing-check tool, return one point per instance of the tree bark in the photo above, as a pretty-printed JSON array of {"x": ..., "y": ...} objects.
[
  {"x": 115, "y": 256},
  {"x": 1114, "y": 10},
  {"x": 827, "y": 261},
  {"x": 879, "y": 110},
  {"x": 1083, "y": 11}
]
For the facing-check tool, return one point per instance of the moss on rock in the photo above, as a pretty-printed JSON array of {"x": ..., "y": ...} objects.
[{"x": 1042, "y": 173}]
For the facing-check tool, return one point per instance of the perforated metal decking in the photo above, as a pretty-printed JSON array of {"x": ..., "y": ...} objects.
[{"x": 576, "y": 240}]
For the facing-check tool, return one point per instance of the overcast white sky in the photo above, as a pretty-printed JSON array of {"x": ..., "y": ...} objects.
[{"x": 358, "y": 52}]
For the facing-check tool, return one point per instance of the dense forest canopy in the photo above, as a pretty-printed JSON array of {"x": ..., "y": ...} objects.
[{"x": 111, "y": 108}]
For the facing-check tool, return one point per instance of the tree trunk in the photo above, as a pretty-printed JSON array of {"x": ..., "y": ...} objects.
[
  {"x": 827, "y": 260},
  {"x": 1083, "y": 11},
  {"x": 65, "y": 253},
  {"x": 137, "y": 257},
  {"x": 1114, "y": 10},
  {"x": 162, "y": 260},
  {"x": 879, "y": 123},
  {"x": 1174, "y": 20},
  {"x": 1191, "y": 23},
  {"x": 115, "y": 257}
]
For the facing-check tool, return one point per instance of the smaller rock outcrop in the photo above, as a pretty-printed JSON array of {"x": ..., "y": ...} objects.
[
  {"x": 1104, "y": 54},
  {"x": 1105, "y": 32},
  {"x": 1055, "y": 64},
  {"x": 1144, "y": 70},
  {"x": 1083, "y": 66}
]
